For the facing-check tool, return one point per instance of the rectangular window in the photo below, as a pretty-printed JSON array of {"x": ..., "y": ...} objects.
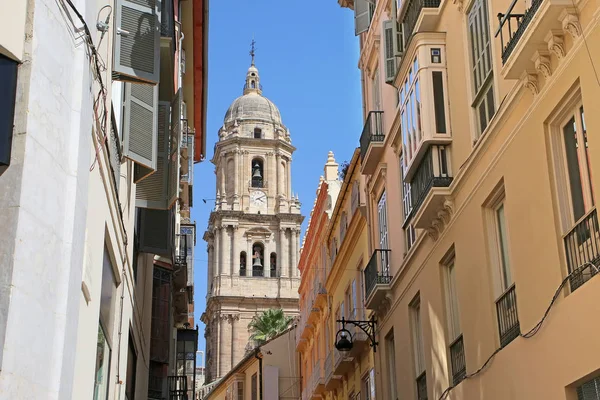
[
  {"x": 590, "y": 390},
  {"x": 439, "y": 102},
  {"x": 131, "y": 370},
  {"x": 410, "y": 235},
  {"x": 375, "y": 91},
  {"x": 254, "y": 387},
  {"x": 383, "y": 223},
  {"x": 240, "y": 390},
  {"x": 102, "y": 366},
  {"x": 457, "y": 355},
  {"x": 410, "y": 113},
  {"x": 8, "y": 92},
  {"x": 355, "y": 304},
  {"x": 481, "y": 64},
  {"x": 417, "y": 336},
  {"x": 390, "y": 351},
  {"x": 505, "y": 275},
  {"x": 368, "y": 385}
]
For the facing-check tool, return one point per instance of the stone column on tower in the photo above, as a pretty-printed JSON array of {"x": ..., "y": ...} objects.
[
  {"x": 289, "y": 179},
  {"x": 211, "y": 254},
  {"x": 282, "y": 254},
  {"x": 218, "y": 255},
  {"x": 279, "y": 175},
  {"x": 294, "y": 241},
  {"x": 272, "y": 176},
  {"x": 249, "y": 258},
  {"x": 224, "y": 250},
  {"x": 234, "y": 251},
  {"x": 296, "y": 271},
  {"x": 236, "y": 184}
]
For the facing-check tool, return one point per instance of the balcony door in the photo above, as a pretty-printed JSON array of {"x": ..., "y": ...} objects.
[{"x": 383, "y": 233}]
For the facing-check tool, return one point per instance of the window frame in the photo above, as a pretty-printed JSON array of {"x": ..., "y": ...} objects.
[
  {"x": 480, "y": 91},
  {"x": 418, "y": 345}
]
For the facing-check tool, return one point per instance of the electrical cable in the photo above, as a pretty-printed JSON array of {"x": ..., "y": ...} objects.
[{"x": 531, "y": 332}]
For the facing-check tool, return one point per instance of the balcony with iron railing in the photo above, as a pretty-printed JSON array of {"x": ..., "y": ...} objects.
[
  {"x": 525, "y": 28},
  {"x": 371, "y": 142},
  {"x": 377, "y": 278},
  {"x": 178, "y": 387},
  {"x": 582, "y": 249},
  {"x": 332, "y": 381},
  {"x": 457, "y": 360},
  {"x": 509, "y": 327},
  {"x": 418, "y": 16},
  {"x": 429, "y": 186}
]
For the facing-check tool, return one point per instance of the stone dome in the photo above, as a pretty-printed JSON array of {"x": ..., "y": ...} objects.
[{"x": 253, "y": 106}]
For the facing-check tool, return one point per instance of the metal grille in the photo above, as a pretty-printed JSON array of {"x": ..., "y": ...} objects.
[
  {"x": 520, "y": 20},
  {"x": 582, "y": 245},
  {"x": 590, "y": 390},
  {"x": 373, "y": 271},
  {"x": 508, "y": 317},
  {"x": 178, "y": 387},
  {"x": 372, "y": 131},
  {"x": 422, "y": 387},
  {"x": 457, "y": 359},
  {"x": 413, "y": 10}
]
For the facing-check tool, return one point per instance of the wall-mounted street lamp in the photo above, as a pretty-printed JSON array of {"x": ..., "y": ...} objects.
[{"x": 343, "y": 338}]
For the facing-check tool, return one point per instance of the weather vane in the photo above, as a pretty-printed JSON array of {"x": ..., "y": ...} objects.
[{"x": 252, "y": 49}]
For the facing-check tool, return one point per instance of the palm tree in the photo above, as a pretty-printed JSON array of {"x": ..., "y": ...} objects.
[{"x": 268, "y": 324}]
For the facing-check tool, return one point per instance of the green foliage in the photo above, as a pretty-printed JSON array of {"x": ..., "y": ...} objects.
[{"x": 268, "y": 324}]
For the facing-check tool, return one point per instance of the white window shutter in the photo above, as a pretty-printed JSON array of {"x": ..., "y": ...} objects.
[
  {"x": 140, "y": 124},
  {"x": 151, "y": 192},
  {"x": 137, "y": 41},
  {"x": 390, "y": 58},
  {"x": 175, "y": 145},
  {"x": 362, "y": 16}
]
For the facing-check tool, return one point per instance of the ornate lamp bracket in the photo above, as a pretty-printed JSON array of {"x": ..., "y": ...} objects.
[{"x": 367, "y": 327}]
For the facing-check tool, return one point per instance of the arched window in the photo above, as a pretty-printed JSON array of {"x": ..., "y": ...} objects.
[
  {"x": 252, "y": 84},
  {"x": 243, "y": 263},
  {"x": 257, "y": 173},
  {"x": 257, "y": 133},
  {"x": 258, "y": 259},
  {"x": 273, "y": 265},
  {"x": 343, "y": 226}
]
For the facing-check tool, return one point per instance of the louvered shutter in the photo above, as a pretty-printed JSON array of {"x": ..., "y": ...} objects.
[
  {"x": 590, "y": 390},
  {"x": 173, "y": 181},
  {"x": 140, "y": 124},
  {"x": 390, "y": 58},
  {"x": 151, "y": 192},
  {"x": 156, "y": 232},
  {"x": 398, "y": 39},
  {"x": 137, "y": 41},
  {"x": 140, "y": 173},
  {"x": 362, "y": 16}
]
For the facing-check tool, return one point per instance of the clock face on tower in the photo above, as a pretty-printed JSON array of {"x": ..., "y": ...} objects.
[{"x": 258, "y": 198}]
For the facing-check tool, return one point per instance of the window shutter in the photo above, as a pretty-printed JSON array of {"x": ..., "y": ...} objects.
[
  {"x": 137, "y": 41},
  {"x": 156, "y": 231},
  {"x": 140, "y": 124},
  {"x": 151, "y": 192},
  {"x": 173, "y": 181},
  {"x": 390, "y": 58},
  {"x": 140, "y": 172},
  {"x": 362, "y": 16}
]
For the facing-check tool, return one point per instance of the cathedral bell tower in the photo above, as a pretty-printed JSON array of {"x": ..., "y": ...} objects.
[{"x": 253, "y": 232}]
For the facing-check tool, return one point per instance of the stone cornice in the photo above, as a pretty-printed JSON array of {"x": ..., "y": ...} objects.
[{"x": 274, "y": 144}]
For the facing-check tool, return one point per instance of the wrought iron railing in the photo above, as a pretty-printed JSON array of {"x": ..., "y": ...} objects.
[
  {"x": 372, "y": 131},
  {"x": 167, "y": 21},
  {"x": 422, "y": 386},
  {"x": 411, "y": 15},
  {"x": 508, "y": 317},
  {"x": 582, "y": 245},
  {"x": 425, "y": 178},
  {"x": 515, "y": 24},
  {"x": 178, "y": 388},
  {"x": 457, "y": 360},
  {"x": 377, "y": 270}
]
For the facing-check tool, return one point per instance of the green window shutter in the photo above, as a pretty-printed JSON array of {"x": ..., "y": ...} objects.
[
  {"x": 137, "y": 41},
  {"x": 139, "y": 124},
  {"x": 174, "y": 168},
  {"x": 390, "y": 58},
  {"x": 156, "y": 231},
  {"x": 151, "y": 192},
  {"x": 362, "y": 16}
]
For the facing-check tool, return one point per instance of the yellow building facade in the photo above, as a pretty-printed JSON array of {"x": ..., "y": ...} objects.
[
  {"x": 332, "y": 287},
  {"x": 480, "y": 162}
]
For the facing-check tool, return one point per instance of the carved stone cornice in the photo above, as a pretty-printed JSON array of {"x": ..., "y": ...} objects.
[
  {"x": 541, "y": 60},
  {"x": 530, "y": 81},
  {"x": 570, "y": 22},
  {"x": 555, "y": 41}
]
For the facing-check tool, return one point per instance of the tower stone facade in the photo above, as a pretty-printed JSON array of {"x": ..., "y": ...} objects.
[{"x": 253, "y": 234}]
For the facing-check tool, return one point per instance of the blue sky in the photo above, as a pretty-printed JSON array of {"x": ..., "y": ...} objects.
[{"x": 307, "y": 56}]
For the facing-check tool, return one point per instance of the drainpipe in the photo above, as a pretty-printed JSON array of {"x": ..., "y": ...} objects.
[{"x": 260, "y": 373}]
